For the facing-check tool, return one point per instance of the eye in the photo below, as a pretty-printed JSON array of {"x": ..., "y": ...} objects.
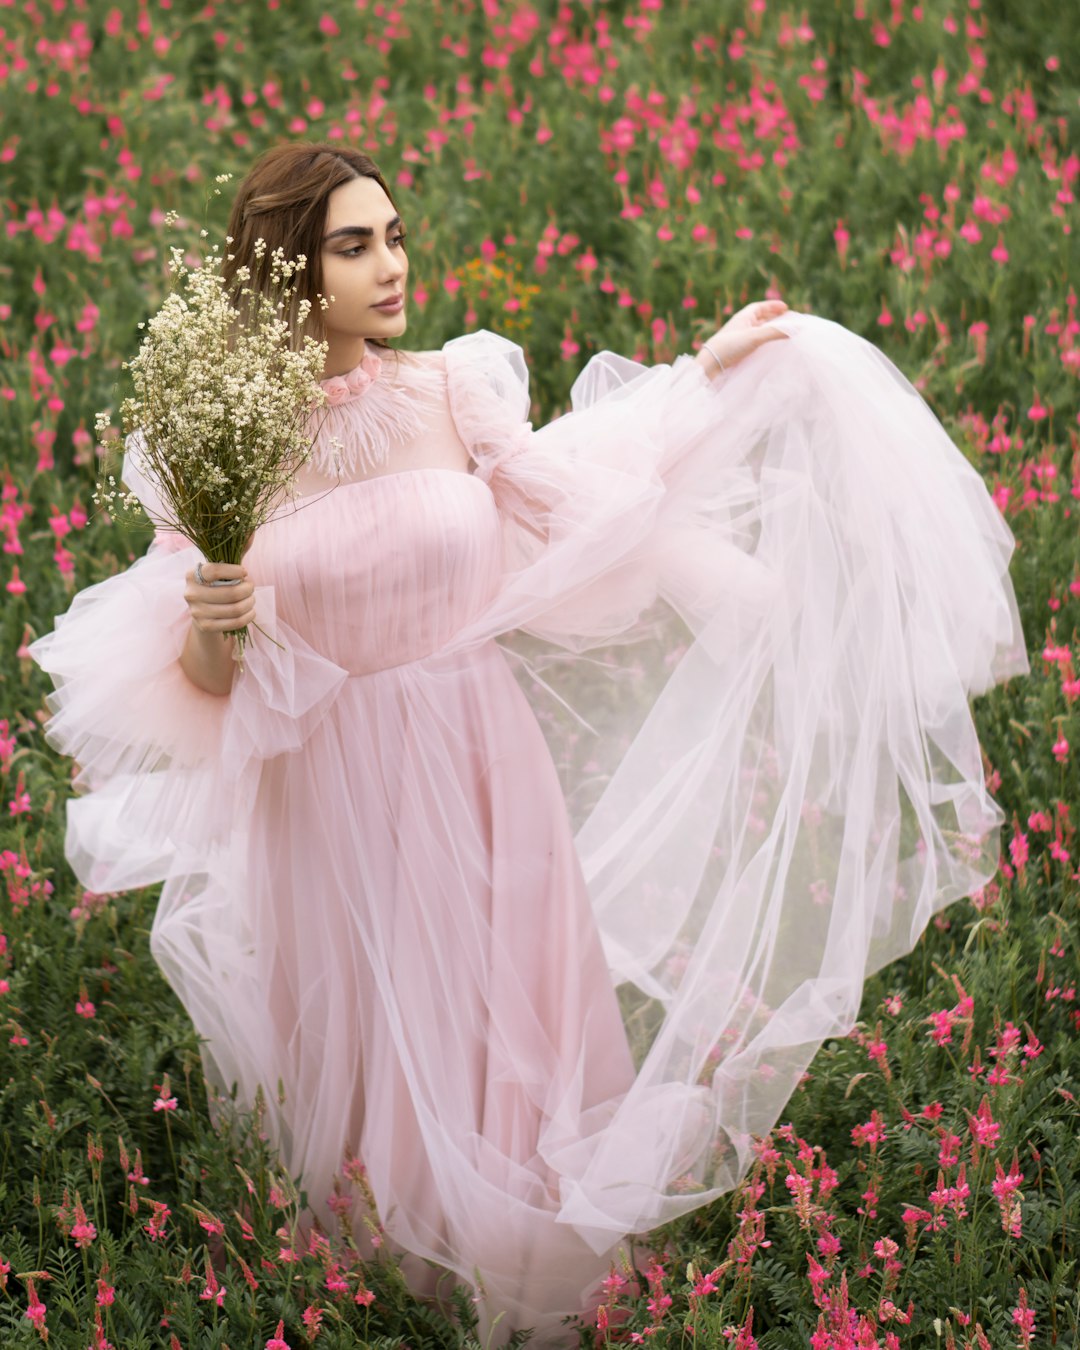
[
  {"x": 399, "y": 238},
  {"x": 353, "y": 252}
]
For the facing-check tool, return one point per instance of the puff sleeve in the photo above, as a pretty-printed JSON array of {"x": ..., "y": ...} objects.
[{"x": 162, "y": 765}]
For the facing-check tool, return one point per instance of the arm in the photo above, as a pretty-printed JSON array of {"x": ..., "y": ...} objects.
[{"x": 208, "y": 662}]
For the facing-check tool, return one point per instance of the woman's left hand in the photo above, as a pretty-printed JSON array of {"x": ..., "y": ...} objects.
[{"x": 743, "y": 333}]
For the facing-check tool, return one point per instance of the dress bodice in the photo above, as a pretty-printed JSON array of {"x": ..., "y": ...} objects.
[{"x": 382, "y": 571}]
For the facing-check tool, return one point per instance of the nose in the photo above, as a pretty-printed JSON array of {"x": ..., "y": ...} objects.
[{"x": 395, "y": 263}]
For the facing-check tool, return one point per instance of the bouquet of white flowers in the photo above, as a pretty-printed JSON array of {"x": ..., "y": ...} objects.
[{"x": 221, "y": 415}]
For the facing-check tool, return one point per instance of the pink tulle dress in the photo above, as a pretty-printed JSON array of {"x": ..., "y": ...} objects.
[{"x": 596, "y": 768}]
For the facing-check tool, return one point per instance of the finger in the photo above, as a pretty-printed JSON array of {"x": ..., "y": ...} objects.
[
  {"x": 222, "y": 611},
  {"x": 226, "y": 595},
  {"x": 207, "y": 605},
  {"x": 768, "y": 309},
  {"x": 225, "y": 623},
  {"x": 234, "y": 611},
  {"x": 217, "y": 594},
  {"x": 222, "y": 571}
]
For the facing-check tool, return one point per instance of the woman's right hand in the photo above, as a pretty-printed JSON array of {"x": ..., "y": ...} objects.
[
  {"x": 742, "y": 335},
  {"x": 220, "y": 609}
]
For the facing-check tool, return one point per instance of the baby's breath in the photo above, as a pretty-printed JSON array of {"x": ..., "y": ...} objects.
[{"x": 220, "y": 417}]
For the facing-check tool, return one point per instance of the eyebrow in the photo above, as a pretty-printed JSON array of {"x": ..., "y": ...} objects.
[{"x": 364, "y": 231}]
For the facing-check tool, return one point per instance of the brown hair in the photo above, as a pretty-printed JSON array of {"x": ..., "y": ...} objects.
[{"x": 283, "y": 200}]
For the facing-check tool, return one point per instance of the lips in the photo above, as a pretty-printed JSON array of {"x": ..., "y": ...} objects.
[{"x": 393, "y": 304}]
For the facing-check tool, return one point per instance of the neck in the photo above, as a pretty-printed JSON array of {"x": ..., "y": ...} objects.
[{"x": 343, "y": 355}]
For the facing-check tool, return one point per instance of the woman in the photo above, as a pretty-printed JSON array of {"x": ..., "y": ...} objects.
[{"x": 410, "y": 852}]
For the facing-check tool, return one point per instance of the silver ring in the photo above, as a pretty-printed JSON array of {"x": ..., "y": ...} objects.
[{"x": 225, "y": 581}]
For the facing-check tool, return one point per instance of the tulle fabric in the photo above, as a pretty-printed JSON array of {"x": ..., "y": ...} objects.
[{"x": 670, "y": 694}]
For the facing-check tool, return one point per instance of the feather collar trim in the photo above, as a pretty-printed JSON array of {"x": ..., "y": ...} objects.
[{"x": 368, "y": 410}]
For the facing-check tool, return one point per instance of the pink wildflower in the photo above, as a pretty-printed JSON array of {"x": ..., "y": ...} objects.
[
  {"x": 873, "y": 1132},
  {"x": 745, "y": 1339},
  {"x": 984, "y": 1128},
  {"x": 614, "y": 1283},
  {"x": 249, "y": 1275},
  {"x": 335, "y": 1281},
  {"x": 1008, "y": 1040},
  {"x": 942, "y": 1023},
  {"x": 750, "y": 1237},
  {"x": 889, "y": 1312},
  {"x": 768, "y": 1155},
  {"x": 155, "y": 1227},
  {"x": 960, "y": 1193},
  {"x": 137, "y": 1175},
  {"x": 660, "y": 1302},
  {"x": 878, "y": 1051},
  {"x": 277, "y": 1341},
  {"x": 939, "y": 1199},
  {"x": 212, "y": 1289},
  {"x": 20, "y": 804},
  {"x": 1033, "y": 1048},
  {"x": 949, "y": 1152},
  {"x": 100, "y": 1340},
  {"x": 800, "y": 1188},
  {"x": 911, "y": 1218},
  {"x": 1006, "y": 1191},
  {"x": 818, "y": 1277},
  {"x": 82, "y": 1230},
  {"x": 1024, "y": 1317},
  {"x": 36, "y": 1310},
  {"x": 707, "y": 1284},
  {"x": 841, "y": 238}
]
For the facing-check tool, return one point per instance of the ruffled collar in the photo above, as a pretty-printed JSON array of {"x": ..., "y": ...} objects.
[
  {"x": 368, "y": 410},
  {"x": 354, "y": 383}
]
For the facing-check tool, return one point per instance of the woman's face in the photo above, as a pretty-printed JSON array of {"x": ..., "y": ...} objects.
[{"x": 363, "y": 265}]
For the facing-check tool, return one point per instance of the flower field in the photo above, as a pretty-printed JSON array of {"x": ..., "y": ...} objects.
[{"x": 577, "y": 176}]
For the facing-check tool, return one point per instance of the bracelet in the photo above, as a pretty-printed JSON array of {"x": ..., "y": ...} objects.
[{"x": 705, "y": 347}]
